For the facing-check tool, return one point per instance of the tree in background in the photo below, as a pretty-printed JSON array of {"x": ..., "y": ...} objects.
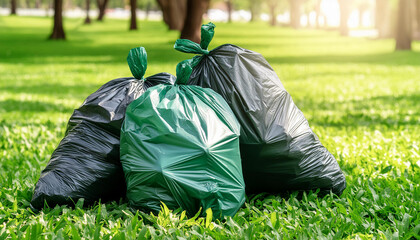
[
  {"x": 13, "y": 6},
  {"x": 362, "y": 6},
  {"x": 102, "y": 5},
  {"x": 254, "y": 8},
  {"x": 383, "y": 18},
  {"x": 310, "y": 6},
  {"x": 193, "y": 19},
  {"x": 318, "y": 13},
  {"x": 229, "y": 7},
  {"x": 117, "y": 4},
  {"x": 133, "y": 19},
  {"x": 344, "y": 16},
  {"x": 417, "y": 14},
  {"x": 37, "y": 4},
  {"x": 404, "y": 27},
  {"x": 173, "y": 12},
  {"x": 184, "y": 15},
  {"x": 58, "y": 31},
  {"x": 87, "y": 19},
  {"x": 48, "y": 7},
  {"x": 295, "y": 13},
  {"x": 272, "y": 7},
  {"x": 147, "y": 6}
]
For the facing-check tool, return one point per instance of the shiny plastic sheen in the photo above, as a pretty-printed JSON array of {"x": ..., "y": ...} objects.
[
  {"x": 279, "y": 150},
  {"x": 86, "y": 163},
  {"x": 180, "y": 146}
]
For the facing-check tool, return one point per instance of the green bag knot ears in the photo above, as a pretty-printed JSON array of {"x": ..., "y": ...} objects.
[
  {"x": 207, "y": 33},
  {"x": 183, "y": 71},
  {"x": 137, "y": 61},
  {"x": 188, "y": 46}
]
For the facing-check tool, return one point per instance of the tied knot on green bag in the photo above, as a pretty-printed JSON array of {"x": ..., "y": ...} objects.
[
  {"x": 183, "y": 71},
  {"x": 137, "y": 61},
  {"x": 188, "y": 46}
]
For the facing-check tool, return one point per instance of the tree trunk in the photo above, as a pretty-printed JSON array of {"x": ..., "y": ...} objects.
[
  {"x": 148, "y": 6},
  {"x": 363, "y": 7},
  {"x": 87, "y": 19},
  {"x": 193, "y": 19},
  {"x": 102, "y": 4},
  {"x": 318, "y": 13},
  {"x": 229, "y": 9},
  {"x": 273, "y": 17},
  {"x": 272, "y": 5},
  {"x": 173, "y": 12},
  {"x": 417, "y": 5},
  {"x": 383, "y": 18},
  {"x": 403, "y": 34},
  {"x": 295, "y": 13},
  {"x": 47, "y": 8},
  {"x": 58, "y": 31},
  {"x": 133, "y": 20},
  {"x": 344, "y": 16},
  {"x": 13, "y": 6},
  {"x": 252, "y": 10}
]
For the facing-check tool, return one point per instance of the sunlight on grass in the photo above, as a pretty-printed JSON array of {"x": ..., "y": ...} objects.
[{"x": 361, "y": 98}]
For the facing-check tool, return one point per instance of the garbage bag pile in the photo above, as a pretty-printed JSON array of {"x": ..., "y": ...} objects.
[
  {"x": 224, "y": 126},
  {"x": 180, "y": 146},
  {"x": 86, "y": 163},
  {"x": 279, "y": 150}
]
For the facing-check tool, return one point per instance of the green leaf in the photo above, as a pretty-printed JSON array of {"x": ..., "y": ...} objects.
[
  {"x": 97, "y": 233},
  {"x": 273, "y": 219},
  {"x": 387, "y": 169},
  {"x": 74, "y": 233},
  {"x": 209, "y": 217},
  {"x": 80, "y": 203},
  {"x": 142, "y": 233},
  {"x": 341, "y": 208}
]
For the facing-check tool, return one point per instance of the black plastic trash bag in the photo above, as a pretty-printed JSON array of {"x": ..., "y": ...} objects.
[
  {"x": 86, "y": 164},
  {"x": 279, "y": 150},
  {"x": 180, "y": 146}
]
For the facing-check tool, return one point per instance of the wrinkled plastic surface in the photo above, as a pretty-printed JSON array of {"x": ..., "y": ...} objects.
[
  {"x": 279, "y": 150},
  {"x": 180, "y": 146},
  {"x": 86, "y": 163}
]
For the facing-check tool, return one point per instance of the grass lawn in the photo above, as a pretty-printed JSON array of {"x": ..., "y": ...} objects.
[{"x": 361, "y": 98}]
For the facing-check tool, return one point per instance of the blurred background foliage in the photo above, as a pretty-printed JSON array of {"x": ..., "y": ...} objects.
[{"x": 398, "y": 19}]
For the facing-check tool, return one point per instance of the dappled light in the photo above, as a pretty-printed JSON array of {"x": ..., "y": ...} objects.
[{"x": 348, "y": 69}]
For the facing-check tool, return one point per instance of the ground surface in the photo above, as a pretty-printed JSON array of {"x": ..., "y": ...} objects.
[{"x": 361, "y": 98}]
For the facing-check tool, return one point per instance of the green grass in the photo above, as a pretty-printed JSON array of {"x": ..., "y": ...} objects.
[{"x": 360, "y": 97}]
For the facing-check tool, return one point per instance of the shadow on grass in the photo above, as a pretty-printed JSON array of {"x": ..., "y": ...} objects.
[
  {"x": 31, "y": 106},
  {"x": 71, "y": 52},
  {"x": 26, "y": 45},
  {"x": 30, "y": 46},
  {"x": 391, "y": 58},
  {"x": 58, "y": 90},
  {"x": 387, "y": 111}
]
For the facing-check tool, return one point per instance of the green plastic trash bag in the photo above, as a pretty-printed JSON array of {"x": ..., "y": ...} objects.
[{"x": 180, "y": 146}]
